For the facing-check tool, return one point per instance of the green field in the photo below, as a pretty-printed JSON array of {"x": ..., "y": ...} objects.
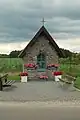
[
  {"x": 13, "y": 66},
  {"x": 74, "y": 70},
  {"x": 10, "y": 65}
]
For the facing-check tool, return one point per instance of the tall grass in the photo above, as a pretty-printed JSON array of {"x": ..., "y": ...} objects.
[
  {"x": 10, "y": 65},
  {"x": 74, "y": 70}
]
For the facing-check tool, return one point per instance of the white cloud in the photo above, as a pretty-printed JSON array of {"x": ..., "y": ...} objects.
[
  {"x": 70, "y": 44},
  {"x": 6, "y": 48}
]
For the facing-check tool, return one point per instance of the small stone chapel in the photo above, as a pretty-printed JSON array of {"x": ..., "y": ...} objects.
[{"x": 41, "y": 51}]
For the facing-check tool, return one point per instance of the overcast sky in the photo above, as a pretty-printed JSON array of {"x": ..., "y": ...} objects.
[{"x": 21, "y": 19}]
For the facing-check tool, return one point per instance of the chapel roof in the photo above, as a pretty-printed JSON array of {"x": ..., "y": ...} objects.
[{"x": 43, "y": 31}]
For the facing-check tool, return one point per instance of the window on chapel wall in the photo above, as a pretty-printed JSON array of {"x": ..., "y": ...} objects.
[{"x": 41, "y": 61}]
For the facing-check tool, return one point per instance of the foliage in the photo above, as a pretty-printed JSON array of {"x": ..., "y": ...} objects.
[
  {"x": 14, "y": 54},
  {"x": 66, "y": 53},
  {"x": 77, "y": 83},
  {"x": 72, "y": 69},
  {"x": 4, "y": 56}
]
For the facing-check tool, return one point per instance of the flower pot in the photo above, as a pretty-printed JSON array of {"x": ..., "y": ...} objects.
[
  {"x": 24, "y": 76},
  {"x": 24, "y": 79},
  {"x": 57, "y": 78},
  {"x": 57, "y": 75}
]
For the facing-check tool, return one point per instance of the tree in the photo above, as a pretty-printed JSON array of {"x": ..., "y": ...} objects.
[
  {"x": 14, "y": 54},
  {"x": 67, "y": 53}
]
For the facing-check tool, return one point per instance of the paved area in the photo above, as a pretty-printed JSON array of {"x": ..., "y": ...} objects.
[
  {"x": 22, "y": 112},
  {"x": 38, "y": 91}
]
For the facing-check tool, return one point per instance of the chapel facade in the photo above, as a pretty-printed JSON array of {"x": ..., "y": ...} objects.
[{"x": 41, "y": 51}]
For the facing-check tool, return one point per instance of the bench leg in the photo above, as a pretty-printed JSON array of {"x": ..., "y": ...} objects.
[
  {"x": 64, "y": 85},
  {"x": 5, "y": 80},
  {"x": 61, "y": 84}
]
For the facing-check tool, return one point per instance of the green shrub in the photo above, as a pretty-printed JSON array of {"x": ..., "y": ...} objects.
[{"x": 77, "y": 82}]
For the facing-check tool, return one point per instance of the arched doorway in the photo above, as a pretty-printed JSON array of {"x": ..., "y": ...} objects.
[{"x": 41, "y": 61}]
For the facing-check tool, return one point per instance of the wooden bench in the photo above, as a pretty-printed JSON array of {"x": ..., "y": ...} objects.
[
  {"x": 4, "y": 82},
  {"x": 4, "y": 77},
  {"x": 67, "y": 80},
  {"x": 8, "y": 83}
]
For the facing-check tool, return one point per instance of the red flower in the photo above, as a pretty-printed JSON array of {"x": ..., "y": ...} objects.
[
  {"x": 53, "y": 65},
  {"x": 30, "y": 65},
  {"x": 57, "y": 73},
  {"x": 23, "y": 74},
  {"x": 43, "y": 77},
  {"x": 56, "y": 65}
]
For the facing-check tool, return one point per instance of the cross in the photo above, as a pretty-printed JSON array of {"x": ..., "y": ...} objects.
[{"x": 43, "y": 21}]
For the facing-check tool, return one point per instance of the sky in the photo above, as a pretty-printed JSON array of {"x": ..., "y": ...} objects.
[{"x": 21, "y": 19}]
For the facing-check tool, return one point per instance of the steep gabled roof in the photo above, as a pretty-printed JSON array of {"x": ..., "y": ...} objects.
[{"x": 46, "y": 33}]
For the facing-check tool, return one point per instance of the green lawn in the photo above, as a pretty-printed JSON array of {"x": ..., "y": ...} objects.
[{"x": 14, "y": 77}]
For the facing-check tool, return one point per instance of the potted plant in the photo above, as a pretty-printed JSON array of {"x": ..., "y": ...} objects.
[
  {"x": 23, "y": 76},
  {"x": 57, "y": 75}
]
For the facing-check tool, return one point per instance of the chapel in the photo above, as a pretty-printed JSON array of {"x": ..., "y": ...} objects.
[{"x": 41, "y": 55}]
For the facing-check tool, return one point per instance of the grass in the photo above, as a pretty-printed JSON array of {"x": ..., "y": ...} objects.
[
  {"x": 14, "y": 77},
  {"x": 77, "y": 83},
  {"x": 10, "y": 65},
  {"x": 73, "y": 70}
]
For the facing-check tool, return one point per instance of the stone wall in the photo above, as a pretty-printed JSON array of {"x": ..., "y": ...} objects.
[{"x": 42, "y": 44}]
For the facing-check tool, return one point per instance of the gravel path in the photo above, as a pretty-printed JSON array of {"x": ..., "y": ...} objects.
[{"x": 39, "y": 91}]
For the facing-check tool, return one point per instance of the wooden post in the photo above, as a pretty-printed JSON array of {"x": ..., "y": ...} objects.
[
  {"x": 23, "y": 67},
  {"x": 70, "y": 63},
  {"x": 10, "y": 61},
  {"x": 5, "y": 79},
  {"x": 1, "y": 86}
]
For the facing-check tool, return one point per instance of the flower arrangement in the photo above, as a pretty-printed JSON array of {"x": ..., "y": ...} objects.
[
  {"x": 57, "y": 73},
  {"x": 51, "y": 66},
  {"x": 43, "y": 77},
  {"x": 30, "y": 65},
  {"x": 23, "y": 74}
]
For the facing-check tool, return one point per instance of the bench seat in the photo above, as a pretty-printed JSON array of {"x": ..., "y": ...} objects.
[
  {"x": 8, "y": 83},
  {"x": 67, "y": 79}
]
